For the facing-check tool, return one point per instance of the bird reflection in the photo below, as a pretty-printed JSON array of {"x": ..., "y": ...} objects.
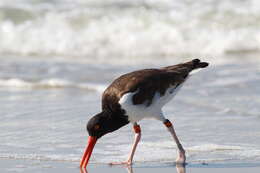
[
  {"x": 83, "y": 170},
  {"x": 179, "y": 167}
]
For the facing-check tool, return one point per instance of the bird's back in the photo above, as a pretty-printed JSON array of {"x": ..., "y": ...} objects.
[{"x": 146, "y": 83}]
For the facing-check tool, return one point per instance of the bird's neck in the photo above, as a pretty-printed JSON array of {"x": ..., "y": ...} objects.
[{"x": 116, "y": 120}]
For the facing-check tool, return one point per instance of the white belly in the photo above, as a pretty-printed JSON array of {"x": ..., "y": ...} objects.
[{"x": 136, "y": 113}]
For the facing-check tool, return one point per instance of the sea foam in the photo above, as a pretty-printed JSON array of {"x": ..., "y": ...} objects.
[
  {"x": 49, "y": 83},
  {"x": 129, "y": 28}
]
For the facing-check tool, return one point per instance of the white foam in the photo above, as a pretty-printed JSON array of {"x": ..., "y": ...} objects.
[
  {"x": 103, "y": 30},
  {"x": 166, "y": 151},
  {"x": 50, "y": 83},
  {"x": 14, "y": 83},
  {"x": 46, "y": 157},
  {"x": 213, "y": 147}
]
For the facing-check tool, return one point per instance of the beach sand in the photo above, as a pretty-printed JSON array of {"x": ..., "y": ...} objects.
[{"x": 33, "y": 166}]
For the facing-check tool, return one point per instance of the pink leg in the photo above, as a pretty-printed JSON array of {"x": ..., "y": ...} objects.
[
  {"x": 180, "y": 168},
  {"x": 181, "y": 152},
  {"x": 129, "y": 161}
]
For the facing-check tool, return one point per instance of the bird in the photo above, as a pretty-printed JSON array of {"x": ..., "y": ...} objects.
[{"x": 135, "y": 96}]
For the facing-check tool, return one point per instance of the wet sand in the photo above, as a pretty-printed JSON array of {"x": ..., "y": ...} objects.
[{"x": 37, "y": 166}]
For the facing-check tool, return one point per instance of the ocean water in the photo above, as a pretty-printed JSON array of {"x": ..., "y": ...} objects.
[{"x": 57, "y": 57}]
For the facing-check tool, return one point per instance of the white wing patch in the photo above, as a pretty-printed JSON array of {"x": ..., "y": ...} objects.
[{"x": 138, "y": 112}]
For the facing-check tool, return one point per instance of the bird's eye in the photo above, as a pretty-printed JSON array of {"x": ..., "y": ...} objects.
[{"x": 96, "y": 127}]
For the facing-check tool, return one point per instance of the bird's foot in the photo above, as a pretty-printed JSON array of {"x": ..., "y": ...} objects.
[
  {"x": 181, "y": 157},
  {"x": 127, "y": 163},
  {"x": 83, "y": 170},
  {"x": 180, "y": 168}
]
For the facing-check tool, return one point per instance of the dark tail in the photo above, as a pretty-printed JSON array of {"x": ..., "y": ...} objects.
[
  {"x": 185, "y": 68},
  {"x": 198, "y": 64},
  {"x": 188, "y": 66}
]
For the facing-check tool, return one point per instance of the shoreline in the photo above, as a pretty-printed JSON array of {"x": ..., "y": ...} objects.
[{"x": 34, "y": 166}]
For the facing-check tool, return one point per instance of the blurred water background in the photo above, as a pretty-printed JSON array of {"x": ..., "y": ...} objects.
[{"x": 57, "y": 56}]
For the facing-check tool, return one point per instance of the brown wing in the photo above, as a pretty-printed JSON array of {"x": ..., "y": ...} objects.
[{"x": 146, "y": 82}]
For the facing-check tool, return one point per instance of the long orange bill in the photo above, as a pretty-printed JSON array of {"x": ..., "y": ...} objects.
[{"x": 89, "y": 148}]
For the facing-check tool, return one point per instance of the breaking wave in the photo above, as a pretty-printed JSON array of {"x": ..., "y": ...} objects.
[
  {"x": 118, "y": 28},
  {"x": 49, "y": 83}
]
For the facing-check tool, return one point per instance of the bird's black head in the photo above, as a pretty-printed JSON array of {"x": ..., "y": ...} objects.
[
  {"x": 105, "y": 122},
  {"x": 99, "y": 125}
]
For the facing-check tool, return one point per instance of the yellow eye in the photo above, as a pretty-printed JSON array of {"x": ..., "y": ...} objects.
[{"x": 96, "y": 127}]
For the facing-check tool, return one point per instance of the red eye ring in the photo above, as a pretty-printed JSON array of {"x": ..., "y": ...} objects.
[{"x": 96, "y": 127}]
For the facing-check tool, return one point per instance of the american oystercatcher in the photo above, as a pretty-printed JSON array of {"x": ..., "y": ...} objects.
[{"x": 135, "y": 96}]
